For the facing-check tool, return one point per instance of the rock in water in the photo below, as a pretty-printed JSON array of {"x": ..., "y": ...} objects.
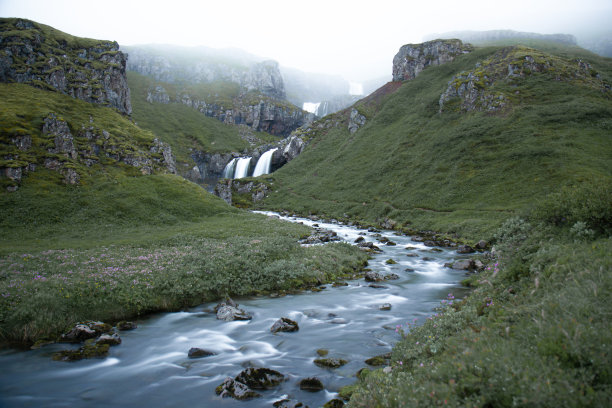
[
  {"x": 335, "y": 403},
  {"x": 230, "y": 313},
  {"x": 110, "y": 339},
  {"x": 330, "y": 362},
  {"x": 374, "y": 277},
  {"x": 260, "y": 378},
  {"x": 284, "y": 325},
  {"x": 196, "y": 352},
  {"x": 312, "y": 384},
  {"x": 235, "y": 389},
  {"x": 123, "y": 325},
  {"x": 465, "y": 249}
]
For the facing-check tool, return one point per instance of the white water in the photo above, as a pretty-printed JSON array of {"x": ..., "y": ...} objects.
[
  {"x": 242, "y": 167},
  {"x": 228, "y": 171},
  {"x": 355, "y": 88},
  {"x": 151, "y": 367},
  {"x": 311, "y": 107},
  {"x": 264, "y": 162}
]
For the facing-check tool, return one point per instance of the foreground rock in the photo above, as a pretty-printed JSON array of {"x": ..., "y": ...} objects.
[
  {"x": 312, "y": 384},
  {"x": 234, "y": 389},
  {"x": 287, "y": 403},
  {"x": 89, "y": 350},
  {"x": 86, "y": 330},
  {"x": 230, "y": 313},
  {"x": 372, "y": 276},
  {"x": 284, "y": 325},
  {"x": 196, "y": 352},
  {"x": 260, "y": 378},
  {"x": 330, "y": 362}
]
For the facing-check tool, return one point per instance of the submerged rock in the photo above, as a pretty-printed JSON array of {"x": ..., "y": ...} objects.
[
  {"x": 312, "y": 384},
  {"x": 90, "y": 350},
  {"x": 330, "y": 362},
  {"x": 392, "y": 276},
  {"x": 196, "y": 352},
  {"x": 124, "y": 325},
  {"x": 284, "y": 325}
]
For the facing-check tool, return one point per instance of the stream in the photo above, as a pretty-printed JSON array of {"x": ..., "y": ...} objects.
[{"x": 151, "y": 368}]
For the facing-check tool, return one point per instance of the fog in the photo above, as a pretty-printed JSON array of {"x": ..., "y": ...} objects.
[{"x": 355, "y": 39}]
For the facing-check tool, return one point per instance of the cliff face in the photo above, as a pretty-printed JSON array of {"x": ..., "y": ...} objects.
[
  {"x": 263, "y": 77},
  {"x": 480, "y": 89},
  {"x": 38, "y": 55},
  {"x": 413, "y": 58},
  {"x": 259, "y": 112}
]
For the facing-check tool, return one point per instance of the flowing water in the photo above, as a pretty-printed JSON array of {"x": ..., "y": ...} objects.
[
  {"x": 264, "y": 163},
  {"x": 242, "y": 167},
  {"x": 228, "y": 171},
  {"x": 151, "y": 368}
]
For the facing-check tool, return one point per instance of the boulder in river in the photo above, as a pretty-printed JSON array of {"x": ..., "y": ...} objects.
[
  {"x": 234, "y": 389},
  {"x": 335, "y": 403},
  {"x": 330, "y": 362},
  {"x": 284, "y": 325},
  {"x": 392, "y": 276},
  {"x": 230, "y": 313},
  {"x": 124, "y": 325},
  {"x": 359, "y": 239},
  {"x": 385, "y": 306},
  {"x": 260, "y": 378},
  {"x": 465, "y": 249},
  {"x": 89, "y": 350},
  {"x": 312, "y": 384},
  {"x": 463, "y": 265},
  {"x": 377, "y": 286},
  {"x": 110, "y": 339},
  {"x": 86, "y": 330},
  {"x": 287, "y": 403},
  {"x": 196, "y": 352},
  {"x": 372, "y": 276},
  {"x": 482, "y": 244}
]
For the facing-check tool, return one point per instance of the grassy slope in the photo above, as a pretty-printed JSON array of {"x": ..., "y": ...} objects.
[
  {"x": 120, "y": 244},
  {"x": 185, "y": 128},
  {"x": 456, "y": 172}
]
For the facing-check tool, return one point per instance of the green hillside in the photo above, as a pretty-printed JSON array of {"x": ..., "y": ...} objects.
[
  {"x": 183, "y": 127},
  {"x": 457, "y": 171}
]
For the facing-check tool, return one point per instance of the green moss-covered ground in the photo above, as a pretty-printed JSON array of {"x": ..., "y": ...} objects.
[{"x": 458, "y": 172}]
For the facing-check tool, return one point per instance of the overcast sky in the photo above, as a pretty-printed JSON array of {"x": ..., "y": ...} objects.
[{"x": 356, "y": 39}]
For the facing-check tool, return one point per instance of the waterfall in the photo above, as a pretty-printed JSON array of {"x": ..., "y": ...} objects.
[
  {"x": 264, "y": 162},
  {"x": 228, "y": 171},
  {"x": 311, "y": 107},
  {"x": 242, "y": 167}
]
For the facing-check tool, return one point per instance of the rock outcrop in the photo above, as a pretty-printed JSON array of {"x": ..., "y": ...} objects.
[
  {"x": 38, "y": 55},
  {"x": 414, "y": 58},
  {"x": 475, "y": 90},
  {"x": 266, "y": 78}
]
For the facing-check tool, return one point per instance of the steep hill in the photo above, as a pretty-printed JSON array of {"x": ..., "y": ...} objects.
[{"x": 463, "y": 145}]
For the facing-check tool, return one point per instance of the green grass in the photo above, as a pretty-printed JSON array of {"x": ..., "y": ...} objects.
[
  {"x": 534, "y": 332},
  {"x": 135, "y": 245},
  {"x": 462, "y": 173},
  {"x": 183, "y": 127}
]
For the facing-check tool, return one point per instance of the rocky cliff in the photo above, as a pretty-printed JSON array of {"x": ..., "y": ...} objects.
[
  {"x": 413, "y": 58},
  {"x": 38, "y": 55},
  {"x": 259, "y": 112},
  {"x": 482, "y": 88},
  {"x": 184, "y": 65},
  {"x": 479, "y": 37}
]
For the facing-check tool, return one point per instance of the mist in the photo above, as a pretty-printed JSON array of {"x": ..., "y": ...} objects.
[{"x": 353, "y": 39}]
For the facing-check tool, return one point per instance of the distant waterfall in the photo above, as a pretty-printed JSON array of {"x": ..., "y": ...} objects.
[
  {"x": 311, "y": 107},
  {"x": 242, "y": 167},
  {"x": 228, "y": 171},
  {"x": 264, "y": 162}
]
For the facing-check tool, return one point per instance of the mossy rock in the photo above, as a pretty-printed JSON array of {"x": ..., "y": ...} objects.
[
  {"x": 346, "y": 391},
  {"x": 335, "y": 403},
  {"x": 330, "y": 362},
  {"x": 322, "y": 352},
  {"x": 89, "y": 350},
  {"x": 390, "y": 262}
]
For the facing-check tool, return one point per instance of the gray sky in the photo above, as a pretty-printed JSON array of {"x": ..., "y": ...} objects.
[{"x": 356, "y": 39}]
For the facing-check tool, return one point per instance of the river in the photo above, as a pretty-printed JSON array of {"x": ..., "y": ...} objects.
[{"x": 151, "y": 368}]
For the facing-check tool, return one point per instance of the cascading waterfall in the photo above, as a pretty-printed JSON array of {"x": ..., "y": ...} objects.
[
  {"x": 311, "y": 107},
  {"x": 228, "y": 171},
  {"x": 264, "y": 163},
  {"x": 242, "y": 167}
]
